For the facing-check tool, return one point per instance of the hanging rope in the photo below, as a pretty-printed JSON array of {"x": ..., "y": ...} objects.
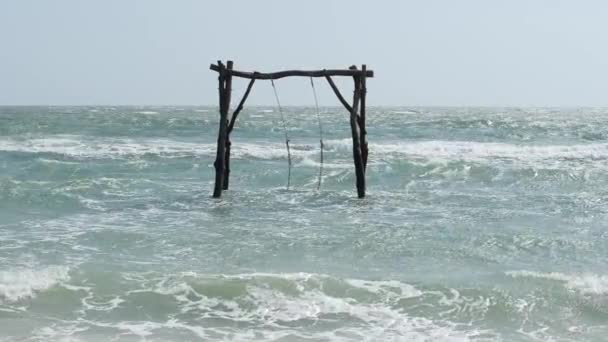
[
  {"x": 314, "y": 93},
  {"x": 276, "y": 96}
]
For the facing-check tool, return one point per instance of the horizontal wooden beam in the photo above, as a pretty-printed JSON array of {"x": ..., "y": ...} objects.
[{"x": 288, "y": 73}]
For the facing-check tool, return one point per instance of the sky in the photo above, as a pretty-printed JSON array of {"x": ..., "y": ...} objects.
[{"x": 425, "y": 52}]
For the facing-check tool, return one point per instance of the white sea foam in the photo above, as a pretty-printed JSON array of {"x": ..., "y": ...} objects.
[
  {"x": 483, "y": 150},
  {"x": 275, "y": 305},
  {"x": 404, "y": 112},
  {"x": 267, "y": 307},
  {"x": 388, "y": 287},
  {"x": 82, "y": 147},
  {"x": 584, "y": 283},
  {"x": 442, "y": 151},
  {"x": 18, "y": 284},
  {"x": 470, "y": 150},
  {"x": 63, "y": 333}
]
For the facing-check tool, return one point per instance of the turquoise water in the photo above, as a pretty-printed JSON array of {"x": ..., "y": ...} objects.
[{"x": 481, "y": 224}]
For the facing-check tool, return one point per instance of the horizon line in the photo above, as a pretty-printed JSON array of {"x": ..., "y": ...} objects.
[{"x": 312, "y": 105}]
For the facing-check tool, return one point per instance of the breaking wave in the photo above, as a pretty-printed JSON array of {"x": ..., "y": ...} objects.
[
  {"x": 584, "y": 283},
  {"x": 20, "y": 284},
  {"x": 83, "y": 147},
  {"x": 266, "y": 307}
]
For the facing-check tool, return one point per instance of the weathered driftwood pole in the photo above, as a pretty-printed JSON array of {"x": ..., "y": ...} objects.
[
  {"x": 225, "y": 85},
  {"x": 356, "y": 111},
  {"x": 227, "y": 98},
  {"x": 356, "y": 134},
  {"x": 363, "y": 131}
]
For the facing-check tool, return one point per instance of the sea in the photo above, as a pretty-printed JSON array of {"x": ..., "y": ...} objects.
[{"x": 479, "y": 224}]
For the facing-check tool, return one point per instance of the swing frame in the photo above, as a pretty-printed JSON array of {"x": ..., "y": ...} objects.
[{"x": 226, "y": 125}]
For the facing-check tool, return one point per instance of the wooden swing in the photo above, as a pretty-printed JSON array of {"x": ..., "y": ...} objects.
[{"x": 227, "y": 122}]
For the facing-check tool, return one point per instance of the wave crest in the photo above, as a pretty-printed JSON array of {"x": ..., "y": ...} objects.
[
  {"x": 19, "y": 284},
  {"x": 585, "y": 283}
]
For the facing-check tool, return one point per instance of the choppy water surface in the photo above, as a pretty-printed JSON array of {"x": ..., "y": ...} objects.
[{"x": 481, "y": 224}]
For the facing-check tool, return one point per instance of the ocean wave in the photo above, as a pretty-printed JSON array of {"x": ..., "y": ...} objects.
[
  {"x": 19, "y": 284},
  {"x": 404, "y": 112},
  {"x": 475, "y": 151},
  {"x": 265, "y": 307},
  {"x": 279, "y": 305},
  {"x": 584, "y": 283},
  {"x": 84, "y": 147},
  {"x": 288, "y": 306}
]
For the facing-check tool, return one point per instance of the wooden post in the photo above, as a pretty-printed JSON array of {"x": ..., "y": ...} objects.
[
  {"x": 226, "y": 177},
  {"x": 363, "y": 132},
  {"x": 225, "y": 84},
  {"x": 355, "y": 131}
]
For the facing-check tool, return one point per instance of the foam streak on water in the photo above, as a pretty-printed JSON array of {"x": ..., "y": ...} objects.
[{"x": 481, "y": 224}]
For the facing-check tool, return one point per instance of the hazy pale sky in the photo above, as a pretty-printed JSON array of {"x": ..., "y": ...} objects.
[{"x": 425, "y": 52}]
